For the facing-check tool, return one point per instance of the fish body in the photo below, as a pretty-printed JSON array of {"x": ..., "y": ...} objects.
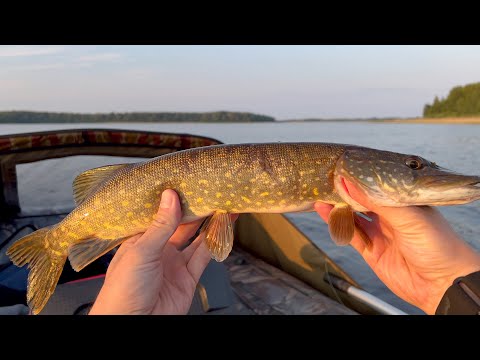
[
  {"x": 228, "y": 178},
  {"x": 119, "y": 201}
]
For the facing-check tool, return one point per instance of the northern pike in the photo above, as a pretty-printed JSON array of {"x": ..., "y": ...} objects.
[{"x": 118, "y": 201}]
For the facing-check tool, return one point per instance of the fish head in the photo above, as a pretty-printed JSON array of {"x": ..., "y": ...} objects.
[{"x": 394, "y": 179}]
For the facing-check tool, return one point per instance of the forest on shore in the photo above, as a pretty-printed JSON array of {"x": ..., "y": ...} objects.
[
  {"x": 462, "y": 101},
  {"x": 54, "y": 117}
]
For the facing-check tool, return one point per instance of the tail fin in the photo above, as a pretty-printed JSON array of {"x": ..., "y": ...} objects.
[{"x": 45, "y": 266}]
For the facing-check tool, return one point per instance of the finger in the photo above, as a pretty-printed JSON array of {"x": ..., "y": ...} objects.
[
  {"x": 370, "y": 228},
  {"x": 121, "y": 251},
  {"x": 379, "y": 232},
  {"x": 184, "y": 233},
  {"x": 198, "y": 256},
  {"x": 190, "y": 250},
  {"x": 323, "y": 210},
  {"x": 151, "y": 243},
  {"x": 199, "y": 261}
]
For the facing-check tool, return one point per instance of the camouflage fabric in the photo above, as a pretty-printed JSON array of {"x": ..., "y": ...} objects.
[{"x": 60, "y": 138}]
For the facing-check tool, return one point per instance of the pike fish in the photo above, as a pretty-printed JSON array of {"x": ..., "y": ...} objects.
[{"x": 118, "y": 201}]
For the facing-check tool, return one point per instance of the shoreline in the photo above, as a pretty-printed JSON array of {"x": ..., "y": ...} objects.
[{"x": 451, "y": 120}]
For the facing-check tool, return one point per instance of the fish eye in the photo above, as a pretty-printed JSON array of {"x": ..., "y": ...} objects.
[{"x": 414, "y": 163}]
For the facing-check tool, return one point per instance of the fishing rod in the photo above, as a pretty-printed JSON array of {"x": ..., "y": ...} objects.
[{"x": 362, "y": 296}]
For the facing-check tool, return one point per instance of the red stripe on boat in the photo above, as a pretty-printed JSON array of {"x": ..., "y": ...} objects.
[{"x": 86, "y": 279}]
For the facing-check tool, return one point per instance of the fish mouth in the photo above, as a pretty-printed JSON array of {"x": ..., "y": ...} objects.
[
  {"x": 452, "y": 190},
  {"x": 451, "y": 181},
  {"x": 474, "y": 185},
  {"x": 434, "y": 190}
]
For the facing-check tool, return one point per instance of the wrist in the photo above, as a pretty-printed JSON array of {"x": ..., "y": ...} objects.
[
  {"x": 463, "y": 297},
  {"x": 469, "y": 264}
]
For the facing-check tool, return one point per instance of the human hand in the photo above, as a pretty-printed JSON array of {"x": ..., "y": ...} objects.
[
  {"x": 415, "y": 251},
  {"x": 149, "y": 274}
]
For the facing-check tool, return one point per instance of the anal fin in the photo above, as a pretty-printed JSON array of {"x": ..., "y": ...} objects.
[
  {"x": 341, "y": 224},
  {"x": 219, "y": 235},
  {"x": 85, "y": 252}
]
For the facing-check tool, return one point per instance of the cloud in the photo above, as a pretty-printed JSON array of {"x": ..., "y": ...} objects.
[
  {"x": 67, "y": 63},
  {"x": 99, "y": 57},
  {"x": 22, "y": 51},
  {"x": 34, "y": 67}
]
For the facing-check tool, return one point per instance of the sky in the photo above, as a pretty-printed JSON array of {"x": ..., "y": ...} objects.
[{"x": 286, "y": 82}]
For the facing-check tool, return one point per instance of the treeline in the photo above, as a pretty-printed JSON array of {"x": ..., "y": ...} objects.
[
  {"x": 461, "y": 101},
  {"x": 52, "y": 117}
]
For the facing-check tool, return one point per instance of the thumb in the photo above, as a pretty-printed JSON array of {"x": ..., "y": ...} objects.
[{"x": 164, "y": 224}]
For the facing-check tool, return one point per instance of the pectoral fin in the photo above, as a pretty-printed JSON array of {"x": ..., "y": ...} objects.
[
  {"x": 341, "y": 224},
  {"x": 219, "y": 235}
]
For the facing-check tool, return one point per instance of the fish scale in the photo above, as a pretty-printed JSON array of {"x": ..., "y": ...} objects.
[
  {"x": 234, "y": 179},
  {"x": 118, "y": 201}
]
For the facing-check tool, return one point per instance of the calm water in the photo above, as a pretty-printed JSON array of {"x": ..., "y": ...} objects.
[{"x": 48, "y": 183}]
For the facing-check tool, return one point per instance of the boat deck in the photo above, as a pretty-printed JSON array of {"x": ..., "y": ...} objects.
[{"x": 259, "y": 288}]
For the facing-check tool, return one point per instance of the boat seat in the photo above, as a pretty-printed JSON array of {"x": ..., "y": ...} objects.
[
  {"x": 76, "y": 297},
  {"x": 213, "y": 290}
]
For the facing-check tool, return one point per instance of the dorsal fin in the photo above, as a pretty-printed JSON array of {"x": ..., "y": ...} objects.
[{"x": 85, "y": 183}]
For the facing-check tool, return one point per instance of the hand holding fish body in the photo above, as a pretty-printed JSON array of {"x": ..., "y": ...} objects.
[{"x": 116, "y": 202}]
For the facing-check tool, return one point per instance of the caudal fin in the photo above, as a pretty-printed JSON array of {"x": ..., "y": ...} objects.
[{"x": 44, "y": 263}]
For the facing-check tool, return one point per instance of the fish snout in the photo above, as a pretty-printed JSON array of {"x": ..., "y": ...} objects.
[
  {"x": 451, "y": 189},
  {"x": 451, "y": 181}
]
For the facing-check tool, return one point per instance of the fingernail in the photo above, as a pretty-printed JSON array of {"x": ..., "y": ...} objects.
[{"x": 166, "y": 200}]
